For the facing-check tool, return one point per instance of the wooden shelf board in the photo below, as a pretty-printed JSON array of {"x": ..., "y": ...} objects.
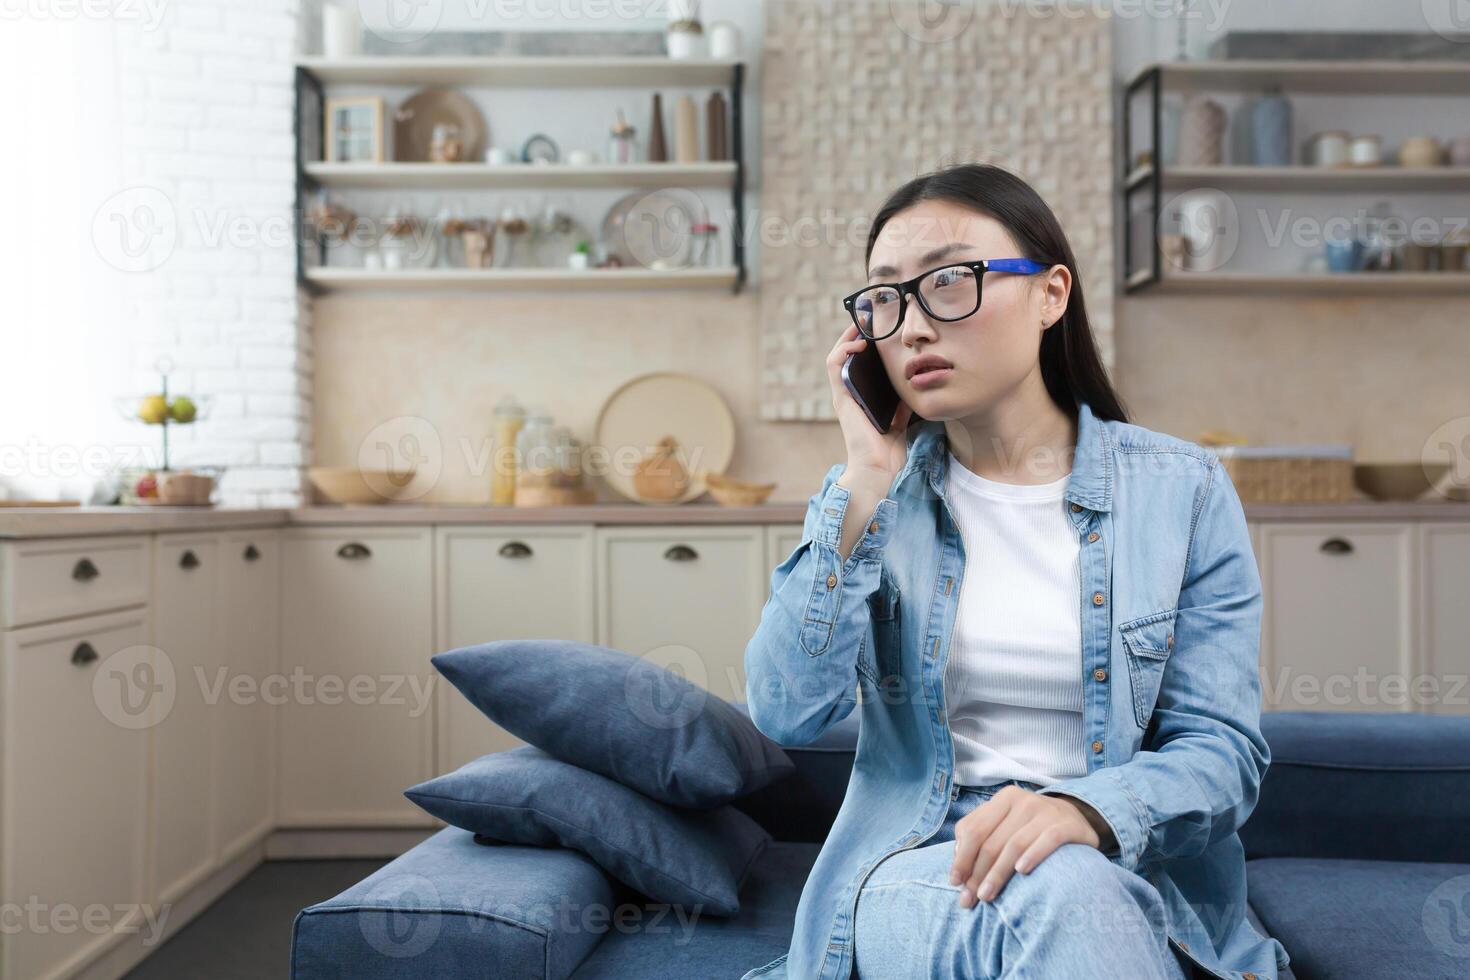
[
  {"x": 1304, "y": 178},
  {"x": 332, "y": 280},
  {"x": 1360, "y": 77},
  {"x": 1356, "y": 284},
  {"x": 407, "y": 176},
  {"x": 522, "y": 71}
]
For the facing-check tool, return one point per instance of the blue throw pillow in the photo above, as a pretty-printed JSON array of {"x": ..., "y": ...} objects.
[
  {"x": 618, "y": 715},
  {"x": 695, "y": 858}
]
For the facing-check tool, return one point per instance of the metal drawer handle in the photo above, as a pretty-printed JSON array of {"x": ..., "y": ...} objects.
[
  {"x": 83, "y": 654},
  {"x": 354, "y": 551},
  {"x": 189, "y": 560},
  {"x": 515, "y": 549},
  {"x": 1337, "y": 546},
  {"x": 84, "y": 570},
  {"x": 681, "y": 552},
  {"x": 251, "y": 552}
]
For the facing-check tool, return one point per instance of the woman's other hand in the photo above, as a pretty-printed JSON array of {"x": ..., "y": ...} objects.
[{"x": 1014, "y": 830}]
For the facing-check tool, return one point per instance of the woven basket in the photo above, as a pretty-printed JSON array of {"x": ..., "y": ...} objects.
[{"x": 1263, "y": 474}]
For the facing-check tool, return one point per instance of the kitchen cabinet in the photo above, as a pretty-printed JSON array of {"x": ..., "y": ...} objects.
[
  {"x": 78, "y": 697},
  {"x": 1337, "y": 628},
  {"x": 186, "y": 577},
  {"x": 357, "y": 633},
  {"x": 1444, "y": 550},
  {"x": 250, "y": 686},
  {"x": 687, "y": 597},
  {"x": 500, "y": 584},
  {"x": 781, "y": 541}
]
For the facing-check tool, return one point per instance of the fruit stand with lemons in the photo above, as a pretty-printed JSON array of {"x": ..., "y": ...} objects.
[{"x": 166, "y": 485}]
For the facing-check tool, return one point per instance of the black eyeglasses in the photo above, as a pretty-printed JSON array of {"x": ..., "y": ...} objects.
[{"x": 950, "y": 292}]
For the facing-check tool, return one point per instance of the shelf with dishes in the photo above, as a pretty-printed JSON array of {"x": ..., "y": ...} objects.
[
  {"x": 436, "y": 139},
  {"x": 1206, "y": 154},
  {"x": 327, "y": 279},
  {"x": 713, "y": 173},
  {"x": 1240, "y": 284}
]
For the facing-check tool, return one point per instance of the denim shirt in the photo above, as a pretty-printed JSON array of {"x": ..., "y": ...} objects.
[{"x": 1171, "y": 618}]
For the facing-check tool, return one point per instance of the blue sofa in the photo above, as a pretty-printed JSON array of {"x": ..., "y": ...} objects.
[{"x": 1359, "y": 862}]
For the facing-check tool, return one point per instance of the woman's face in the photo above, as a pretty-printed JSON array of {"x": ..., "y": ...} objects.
[{"x": 993, "y": 349}]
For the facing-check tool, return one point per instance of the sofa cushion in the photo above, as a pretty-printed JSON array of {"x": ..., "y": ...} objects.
[
  {"x": 622, "y": 716},
  {"x": 803, "y": 807},
  {"x": 1389, "y": 786},
  {"x": 1369, "y": 920},
  {"x": 452, "y": 908},
  {"x": 682, "y": 948},
  {"x": 523, "y": 795}
]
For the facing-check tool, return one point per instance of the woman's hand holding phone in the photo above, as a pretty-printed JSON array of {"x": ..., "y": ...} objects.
[{"x": 873, "y": 458}]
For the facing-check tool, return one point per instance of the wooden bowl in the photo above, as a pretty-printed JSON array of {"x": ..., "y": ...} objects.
[
  {"x": 349, "y": 485},
  {"x": 1398, "y": 481},
  {"x": 729, "y": 492},
  {"x": 185, "y": 489}
]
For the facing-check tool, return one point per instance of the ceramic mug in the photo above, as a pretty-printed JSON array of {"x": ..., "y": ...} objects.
[
  {"x": 1366, "y": 151},
  {"x": 497, "y": 155},
  {"x": 1328, "y": 149}
]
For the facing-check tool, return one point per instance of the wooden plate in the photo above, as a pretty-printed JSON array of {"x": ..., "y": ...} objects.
[
  {"x": 665, "y": 403},
  {"x": 415, "y": 119}
]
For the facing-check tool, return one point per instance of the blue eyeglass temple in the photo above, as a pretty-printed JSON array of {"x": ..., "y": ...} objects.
[{"x": 1023, "y": 266}]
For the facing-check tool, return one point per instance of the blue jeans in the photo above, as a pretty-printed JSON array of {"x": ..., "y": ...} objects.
[{"x": 1076, "y": 914}]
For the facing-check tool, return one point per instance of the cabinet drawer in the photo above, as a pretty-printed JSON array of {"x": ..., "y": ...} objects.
[
  {"x": 688, "y": 598},
  {"x": 63, "y": 577}
]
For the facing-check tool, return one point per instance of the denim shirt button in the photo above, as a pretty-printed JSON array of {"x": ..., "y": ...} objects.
[
  {"x": 1076, "y": 508},
  {"x": 1100, "y": 674},
  {"x": 831, "y": 582},
  {"x": 1097, "y": 598},
  {"x": 1096, "y": 746},
  {"x": 1093, "y": 536}
]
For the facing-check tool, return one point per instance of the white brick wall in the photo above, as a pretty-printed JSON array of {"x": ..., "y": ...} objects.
[{"x": 208, "y": 123}]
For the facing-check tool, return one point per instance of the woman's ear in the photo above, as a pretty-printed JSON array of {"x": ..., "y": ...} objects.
[{"x": 1056, "y": 287}]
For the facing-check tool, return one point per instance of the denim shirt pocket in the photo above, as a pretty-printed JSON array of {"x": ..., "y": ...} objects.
[
  {"x": 1148, "y": 640},
  {"x": 880, "y": 658}
]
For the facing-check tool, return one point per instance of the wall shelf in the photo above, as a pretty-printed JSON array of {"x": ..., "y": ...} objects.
[
  {"x": 531, "y": 72},
  {"x": 326, "y": 279},
  {"x": 1367, "y": 77},
  {"x": 1239, "y": 284},
  {"x": 1305, "y": 178},
  {"x": 313, "y": 75},
  {"x": 409, "y": 176},
  {"x": 1362, "y": 78}
]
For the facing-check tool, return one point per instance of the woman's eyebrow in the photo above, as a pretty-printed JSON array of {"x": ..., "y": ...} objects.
[{"x": 933, "y": 255}]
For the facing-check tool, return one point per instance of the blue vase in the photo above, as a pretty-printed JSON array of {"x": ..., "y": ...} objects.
[{"x": 1271, "y": 130}]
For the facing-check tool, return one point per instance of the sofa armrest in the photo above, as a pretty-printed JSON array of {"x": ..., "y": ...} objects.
[
  {"x": 1381, "y": 785},
  {"x": 453, "y": 908}
]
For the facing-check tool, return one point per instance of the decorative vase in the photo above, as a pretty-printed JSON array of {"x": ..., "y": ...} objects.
[
  {"x": 1271, "y": 130},
  {"x": 1201, "y": 133}
]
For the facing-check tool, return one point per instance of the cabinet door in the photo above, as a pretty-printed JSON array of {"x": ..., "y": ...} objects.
[
  {"x": 500, "y": 584},
  {"x": 78, "y": 699},
  {"x": 1337, "y": 623},
  {"x": 781, "y": 541},
  {"x": 357, "y": 722},
  {"x": 687, "y": 597},
  {"x": 1445, "y": 557},
  {"x": 186, "y": 577},
  {"x": 244, "y": 749}
]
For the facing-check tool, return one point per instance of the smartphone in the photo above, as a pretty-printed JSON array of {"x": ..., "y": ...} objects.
[{"x": 864, "y": 375}]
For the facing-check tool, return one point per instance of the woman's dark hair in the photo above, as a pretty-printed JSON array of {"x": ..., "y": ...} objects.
[{"x": 1070, "y": 366}]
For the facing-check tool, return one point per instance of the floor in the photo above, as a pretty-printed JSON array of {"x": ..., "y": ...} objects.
[{"x": 246, "y": 935}]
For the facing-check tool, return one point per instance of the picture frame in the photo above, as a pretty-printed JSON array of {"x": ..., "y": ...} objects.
[{"x": 355, "y": 129}]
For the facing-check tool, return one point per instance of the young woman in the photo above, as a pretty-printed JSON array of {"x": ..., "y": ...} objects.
[{"x": 1050, "y": 619}]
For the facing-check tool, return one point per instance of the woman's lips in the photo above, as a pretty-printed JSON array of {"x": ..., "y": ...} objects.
[{"x": 931, "y": 377}]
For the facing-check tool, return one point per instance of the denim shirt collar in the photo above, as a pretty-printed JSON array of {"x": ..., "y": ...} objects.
[{"x": 1090, "y": 484}]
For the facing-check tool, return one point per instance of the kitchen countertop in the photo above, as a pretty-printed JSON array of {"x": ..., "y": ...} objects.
[{"x": 52, "y": 522}]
